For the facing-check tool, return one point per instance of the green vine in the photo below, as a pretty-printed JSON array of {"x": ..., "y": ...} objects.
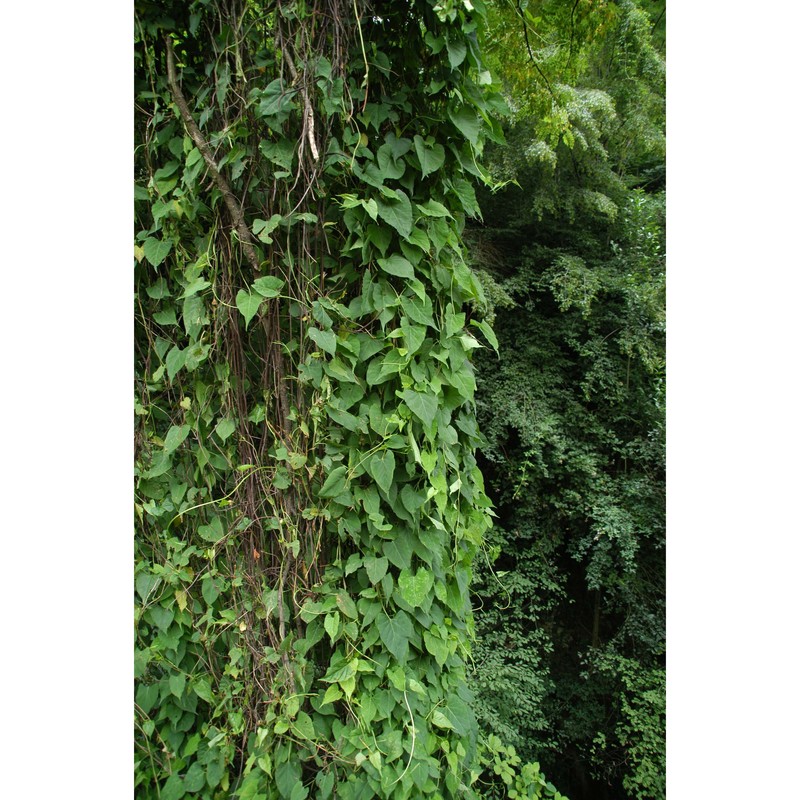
[{"x": 308, "y": 500}]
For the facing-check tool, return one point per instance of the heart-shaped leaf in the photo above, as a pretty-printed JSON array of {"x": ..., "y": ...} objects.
[
  {"x": 431, "y": 156},
  {"x": 156, "y": 250},
  {"x": 395, "y": 633},
  {"x": 396, "y": 265},
  {"x": 415, "y": 589},
  {"x": 423, "y": 405},
  {"x": 381, "y": 467},
  {"x": 175, "y": 437},
  {"x": 397, "y": 212},
  {"x": 248, "y": 304},
  {"x": 335, "y": 483},
  {"x": 325, "y": 340},
  {"x": 466, "y": 120},
  {"x": 268, "y": 286}
]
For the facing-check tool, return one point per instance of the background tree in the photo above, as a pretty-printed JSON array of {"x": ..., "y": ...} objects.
[{"x": 569, "y": 662}]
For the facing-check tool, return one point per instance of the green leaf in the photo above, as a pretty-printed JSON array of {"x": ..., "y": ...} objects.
[
  {"x": 399, "y": 146},
  {"x": 280, "y": 152},
  {"x": 166, "y": 317},
  {"x": 376, "y": 567},
  {"x": 382, "y": 368},
  {"x": 275, "y": 102},
  {"x": 375, "y": 760},
  {"x": 380, "y": 236},
  {"x": 177, "y": 683},
  {"x": 202, "y": 689},
  {"x": 159, "y": 290},
  {"x": 212, "y": 532},
  {"x": 440, "y": 720},
  {"x": 414, "y": 336},
  {"x": 346, "y": 604},
  {"x": 210, "y": 588},
  {"x": 287, "y": 776},
  {"x": 411, "y": 499},
  {"x": 344, "y": 418},
  {"x": 464, "y": 191},
  {"x": 343, "y": 672},
  {"x": 381, "y": 467},
  {"x": 398, "y": 551},
  {"x": 353, "y": 563},
  {"x": 436, "y": 647},
  {"x": 335, "y": 483},
  {"x": 162, "y": 617},
  {"x": 195, "y": 355},
  {"x": 268, "y": 286},
  {"x": 415, "y": 589},
  {"x": 487, "y": 331},
  {"x": 390, "y": 169},
  {"x": 225, "y": 427},
  {"x": 303, "y": 727},
  {"x": 397, "y": 677},
  {"x": 456, "y": 51},
  {"x": 397, "y": 213},
  {"x": 418, "y": 310},
  {"x": 332, "y": 694},
  {"x": 173, "y": 788},
  {"x": 195, "y": 286},
  {"x": 145, "y": 583},
  {"x": 432, "y": 208},
  {"x": 175, "y": 360},
  {"x": 195, "y": 778},
  {"x": 175, "y": 437},
  {"x": 191, "y": 746},
  {"x": 332, "y": 625},
  {"x": 460, "y": 715},
  {"x": 325, "y": 340},
  {"x": 325, "y": 781},
  {"x": 215, "y": 770},
  {"x": 466, "y": 120},
  {"x": 371, "y": 207},
  {"x": 194, "y": 315},
  {"x": 396, "y": 265},
  {"x": 323, "y": 67},
  {"x": 299, "y": 792},
  {"x": 395, "y": 633},
  {"x": 431, "y": 157},
  {"x": 422, "y": 404},
  {"x": 264, "y": 227},
  {"x": 156, "y": 250},
  {"x": 248, "y": 304},
  {"x": 463, "y": 381}
]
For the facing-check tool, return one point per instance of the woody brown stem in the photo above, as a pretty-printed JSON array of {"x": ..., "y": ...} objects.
[{"x": 245, "y": 237}]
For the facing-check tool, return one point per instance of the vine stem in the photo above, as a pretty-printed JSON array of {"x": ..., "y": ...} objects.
[
  {"x": 413, "y": 741},
  {"x": 363, "y": 53},
  {"x": 245, "y": 236},
  {"x": 219, "y": 499}
]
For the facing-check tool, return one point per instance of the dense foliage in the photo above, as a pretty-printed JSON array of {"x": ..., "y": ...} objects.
[
  {"x": 308, "y": 500},
  {"x": 569, "y": 663}
]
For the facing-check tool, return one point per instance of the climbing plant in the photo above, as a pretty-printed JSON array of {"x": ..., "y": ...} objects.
[{"x": 308, "y": 504}]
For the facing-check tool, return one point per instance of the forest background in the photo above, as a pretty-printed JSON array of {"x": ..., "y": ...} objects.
[{"x": 759, "y": 361}]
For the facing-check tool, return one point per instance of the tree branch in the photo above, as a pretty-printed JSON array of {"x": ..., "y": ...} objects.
[{"x": 530, "y": 52}]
